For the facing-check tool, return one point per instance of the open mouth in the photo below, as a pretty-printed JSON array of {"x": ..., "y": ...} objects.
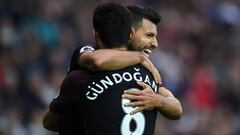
[{"x": 147, "y": 52}]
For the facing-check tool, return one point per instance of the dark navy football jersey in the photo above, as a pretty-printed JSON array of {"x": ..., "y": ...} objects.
[
  {"x": 90, "y": 103},
  {"x": 74, "y": 65}
]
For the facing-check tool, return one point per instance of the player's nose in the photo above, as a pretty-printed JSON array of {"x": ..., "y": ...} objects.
[{"x": 154, "y": 43}]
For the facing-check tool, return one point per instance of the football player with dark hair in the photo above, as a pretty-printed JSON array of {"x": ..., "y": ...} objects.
[
  {"x": 144, "y": 40},
  {"x": 91, "y": 103}
]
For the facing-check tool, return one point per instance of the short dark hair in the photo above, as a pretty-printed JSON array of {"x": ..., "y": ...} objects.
[
  {"x": 138, "y": 13},
  {"x": 113, "y": 23}
]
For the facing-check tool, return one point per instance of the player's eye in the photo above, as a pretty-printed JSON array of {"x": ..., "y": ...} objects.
[{"x": 149, "y": 35}]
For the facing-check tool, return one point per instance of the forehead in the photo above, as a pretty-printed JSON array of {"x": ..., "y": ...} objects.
[{"x": 148, "y": 26}]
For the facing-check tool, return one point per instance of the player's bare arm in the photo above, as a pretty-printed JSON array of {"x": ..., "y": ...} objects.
[
  {"x": 170, "y": 106},
  {"x": 50, "y": 121},
  {"x": 111, "y": 59},
  {"x": 146, "y": 99}
]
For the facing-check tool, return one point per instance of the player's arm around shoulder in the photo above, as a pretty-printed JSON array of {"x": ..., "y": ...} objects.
[
  {"x": 109, "y": 59},
  {"x": 169, "y": 105},
  {"x": 112, "y": 59},
  {"x": 51, "y": 121}
]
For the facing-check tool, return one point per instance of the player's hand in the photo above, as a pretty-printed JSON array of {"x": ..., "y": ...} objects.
[
  {"x": 150, "y": 67},
  {"x": 145, "y": 99}
]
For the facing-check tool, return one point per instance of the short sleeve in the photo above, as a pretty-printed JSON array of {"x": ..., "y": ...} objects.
[
  {"x": 86, "y": 49},
  {"x": 75, "y": 57}
]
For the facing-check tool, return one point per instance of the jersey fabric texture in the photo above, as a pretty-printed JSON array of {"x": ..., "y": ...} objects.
[
  {"x": 90, "y": 103},
  {"x": 75, "y": 57}
]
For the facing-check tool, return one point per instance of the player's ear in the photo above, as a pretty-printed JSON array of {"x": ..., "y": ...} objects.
[{"x": 131, "y": 34}]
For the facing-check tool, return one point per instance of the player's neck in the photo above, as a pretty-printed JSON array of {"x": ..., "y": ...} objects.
[{"x": 120, "y": 48}]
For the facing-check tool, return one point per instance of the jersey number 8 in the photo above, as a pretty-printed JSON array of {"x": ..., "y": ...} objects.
[{"x": 138, "y": 118}]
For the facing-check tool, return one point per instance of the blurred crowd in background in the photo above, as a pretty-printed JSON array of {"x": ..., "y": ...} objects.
[{"x": 198, "y": 57}]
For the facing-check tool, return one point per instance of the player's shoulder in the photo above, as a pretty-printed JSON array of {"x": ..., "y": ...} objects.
[
  {"x": 131, "y": 69},
  {"x": 79, "y": 73},
  {"x": 74, "y": 64},
  {"x": 137, "y": 67},
  {"x": 84, "y": 48}
]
